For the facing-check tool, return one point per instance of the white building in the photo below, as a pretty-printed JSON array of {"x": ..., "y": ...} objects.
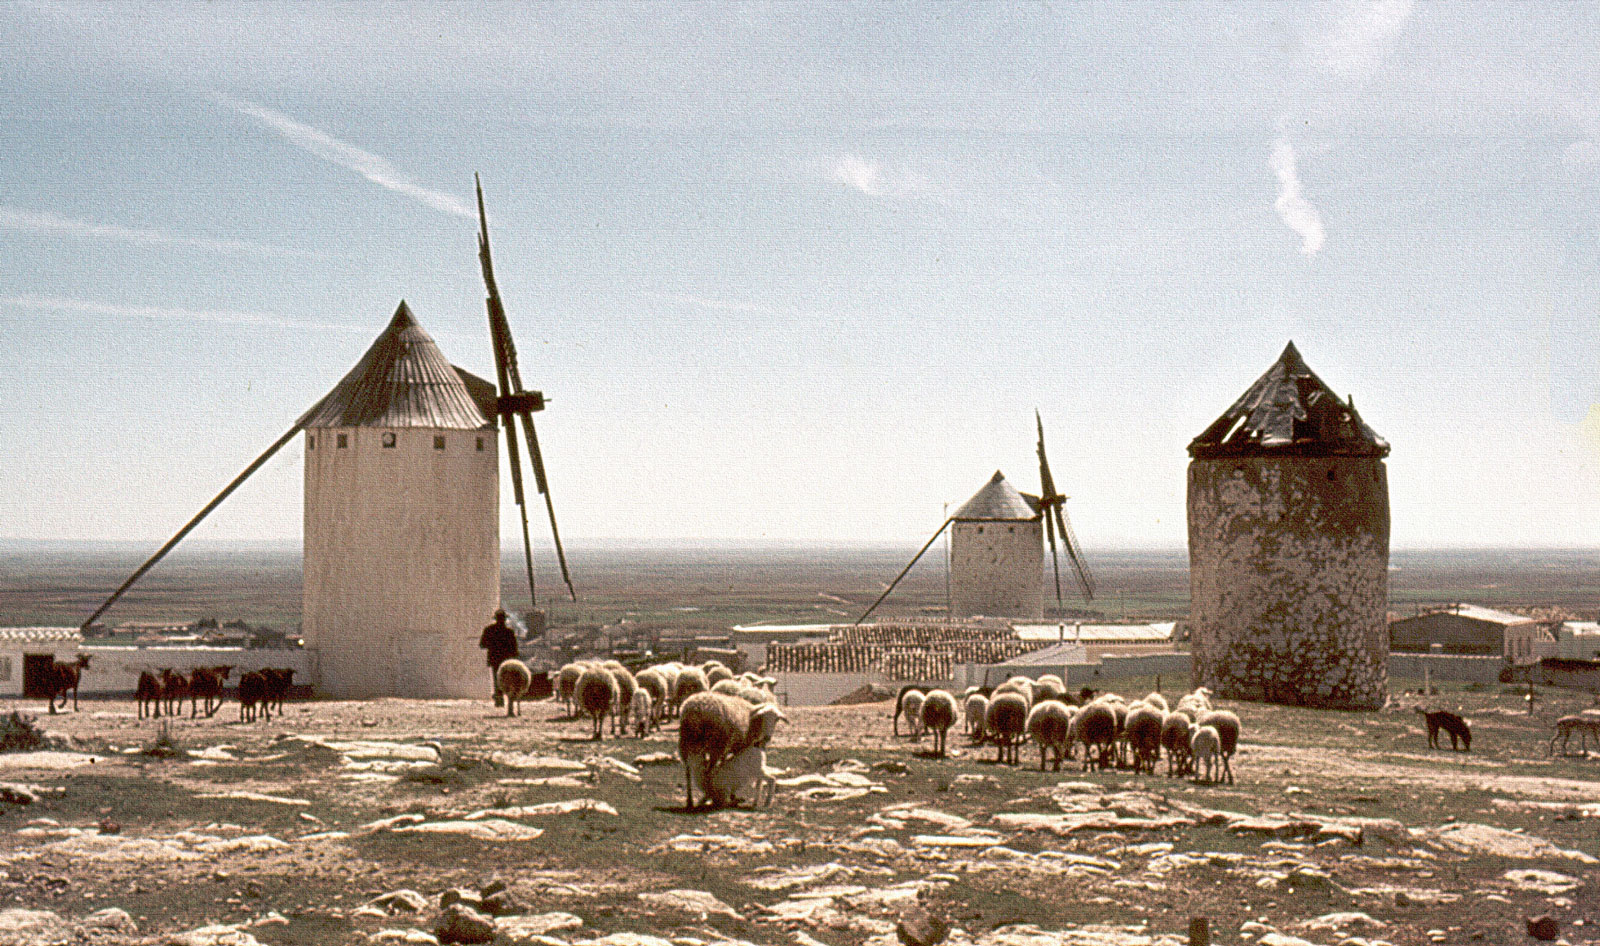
[
  {"x": 997, "y": 554},
  {"x": 1578, "y": 640},
  {"x": 26, "y": 654},
  {"x": 402, "y": 529}
]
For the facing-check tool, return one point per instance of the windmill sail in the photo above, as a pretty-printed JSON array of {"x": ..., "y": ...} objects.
[
  {"x": 1053, "y": 506},
  {"x": 515, "y": 402}
]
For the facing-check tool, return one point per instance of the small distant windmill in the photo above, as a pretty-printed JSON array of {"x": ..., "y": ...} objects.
[
  {"x": 515, "y": 402},
  {"x": 998, "y": 546}
]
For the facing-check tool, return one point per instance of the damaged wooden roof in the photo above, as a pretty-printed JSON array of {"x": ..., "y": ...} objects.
[
  {"x": 405, "y": 381},
  {"x": 997, "y": 501},
  {"x": 1289, "y": 411}
]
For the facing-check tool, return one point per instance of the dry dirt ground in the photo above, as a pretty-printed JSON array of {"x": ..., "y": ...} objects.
[{"x": 351, "y": 822}]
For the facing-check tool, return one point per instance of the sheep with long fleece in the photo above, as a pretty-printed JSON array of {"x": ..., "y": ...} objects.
[
  {"x": 596, "y": 693},
  {"x": 1007, "y": 724},
  {"x": 900, "y": 703},
  {"x": 1021, "y": 686},
  {"x": 1142, "y": 731},
  {"x": 567, "y": 685},
  {"x": 643, "y": 712},
  {"x": 977, "y": 710},
  {"x": 1227, "y": 727},
  {"x": 714, "y": 727},
  {"x": 1175, "y": 732},
  {"x": 912, "y": 706},
  {"x": 1049, "y": 723},
  {"x": 716, "y": 671},
  {"x": 1049, "y": 687},
  {"x": 1204, "y": 747},
  {"x": 691, "y": 680},
  {"x": 654, "y": 682},
  {"x": 515, "y": 680},
  {"x": 624, "y": 696},
  {"x": 938, "y": 715},
  {"x": 1096, "y": 726}
]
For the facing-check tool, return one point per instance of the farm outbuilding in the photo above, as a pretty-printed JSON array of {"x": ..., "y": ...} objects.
[
  {"x": 1471, "y": 629},
  {"x": 26, "y": 654}
]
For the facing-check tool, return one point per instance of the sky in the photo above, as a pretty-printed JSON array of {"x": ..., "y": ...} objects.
[{"x": 801, "y": 273}]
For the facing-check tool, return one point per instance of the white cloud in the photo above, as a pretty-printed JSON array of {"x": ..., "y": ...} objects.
[
  {"x": 370, "y": 166},
  {"x": 870, "y": 178},
  {"x": 1361, "y": 35},
  {"x": 165, "y": 313},
  {"x": 1293, "y": 209},
  {"x": 16, "y": 218}
]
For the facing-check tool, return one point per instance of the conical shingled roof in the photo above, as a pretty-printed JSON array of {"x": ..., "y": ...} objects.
[
  {"x": 405, "y": 381},
  {"x": 1289, "y": 411},
  {"x": 997, "y": 501}
]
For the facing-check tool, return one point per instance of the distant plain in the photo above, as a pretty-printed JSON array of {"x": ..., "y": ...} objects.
[{"x": 713, "y": 588}]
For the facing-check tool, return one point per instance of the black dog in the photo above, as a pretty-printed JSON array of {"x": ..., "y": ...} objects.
[{"x": 1450, "y": 723}]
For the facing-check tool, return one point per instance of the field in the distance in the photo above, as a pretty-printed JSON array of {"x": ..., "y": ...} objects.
[
  {"x": 713, "y": 589},
  {"x": 1343, "y": 828}
]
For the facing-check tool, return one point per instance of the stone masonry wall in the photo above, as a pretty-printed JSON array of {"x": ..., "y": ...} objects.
[
  {"x": 1289, "y": 583},
  {"x": 997, "y": 569}
]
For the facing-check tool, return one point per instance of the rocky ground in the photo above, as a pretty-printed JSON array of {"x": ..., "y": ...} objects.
[{"x": 409, "y": 821}]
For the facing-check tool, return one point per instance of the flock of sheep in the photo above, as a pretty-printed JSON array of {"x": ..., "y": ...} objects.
[
  {"x": 1197, "y": 739},
  {"x": 724, "y": 721}
]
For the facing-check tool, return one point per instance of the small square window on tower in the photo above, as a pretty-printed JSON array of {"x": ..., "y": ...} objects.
[
  {"x": 480, "y": 444},
  {"x": 388, "y": 440},
  {"x": 344, "y": 441},
  {"x": 438, "y": 442}
]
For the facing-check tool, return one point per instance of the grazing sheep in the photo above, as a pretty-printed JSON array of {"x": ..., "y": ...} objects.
[
  {"x": 624, "y": 696},
  {"x": 643, "y": 712},
  {"x": 279, "y": 680},
  {"x": 714, "y": 727},
  {"x": 1205, "y": 745},
  {"x": 1457, "y": 727},
  {"x": 742, "y": 776},
  {"x": 567, "y": 685},
  {"x": 1096, "y": 726},
  {"x": 1584, "y": 724},
  {"x": 1143, "y": 735},
  {"x": 64, "y": 676},
  {"x": 174, "y": 687},
  {"x": 515, "y": 680},
  {"x": 206, "y": 684},
  {"x": 1195, "y": 704},
  {"x": 1158, "y": 701},
  {"x": 670, "y": 672},
  {"x": 912, "y": 707},
  {"x": 595, "y": 694},
  {"x": 1050, "y": 723},
  {"x": 1007, "y": 723},
  {"x": 977, "y": 710},
  {"x": 1175, "y": 739},
  {"x": 691, "y": 680},
  {"x": 654, "y": 682},
  {"x": 148, "y": 692},
  {"x": 716, "y": 672},
  {"x": 1227, "y": 726},
  {"x": 1049, "y": 687},
  {"x": 253, "y": 697},
  {"x": 1021, "y": 686},
  {"x": 938, "y": 715},
  {"x": 729, "y": 686},
  {"x": 900, "y": 703}
]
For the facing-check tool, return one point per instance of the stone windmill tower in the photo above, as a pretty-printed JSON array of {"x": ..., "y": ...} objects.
[
  {"x": 997, "y": 554},
  {"x": 402, "y": 528},
  {"x": 1289, "y": 547}
]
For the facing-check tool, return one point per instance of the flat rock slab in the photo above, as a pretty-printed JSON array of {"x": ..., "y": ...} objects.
[
  {"x": 525, "y": 760},
  {"x": 1547, "y": 882},
  {"x": 1343, "y": 921},
  {"x": 373, "y": 749},
  {"x": 956, "y": 840},
  {"x": 214, "y": 935},
  {"x": 785, "y": 878},
  {"x": 1468, "y": 838},
  {"x": 520, "y": 928},
  {"x": 655, "y": 758},
  {"x": 695, "y": 903},
  {"x": 913, "y": 813},
  {"x": 488, "y": 829},
  {"x": 255, "y": 796},
  {"x": 44, "y": 928},
  {"x": 567, "y": 807},
  {"x": 713, "y": 843},
  {"x": 1030, "y": 935},
  {"x": 50, "y": 759},
  {"x": 404, "y": 937}
]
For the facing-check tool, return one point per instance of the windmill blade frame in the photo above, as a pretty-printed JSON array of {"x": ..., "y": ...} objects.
[{"x": 1053, "y": 506}]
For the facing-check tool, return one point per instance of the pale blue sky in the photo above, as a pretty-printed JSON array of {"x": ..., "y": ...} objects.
[{"x": 802, "y": 272}]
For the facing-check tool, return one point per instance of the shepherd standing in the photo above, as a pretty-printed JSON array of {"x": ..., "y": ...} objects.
[{"x": 501, "y": 643}]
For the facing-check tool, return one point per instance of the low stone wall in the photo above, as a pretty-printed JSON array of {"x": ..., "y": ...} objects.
[
  {"x": 1456, "y": 668},
  {"x": 820, "y": 689}
]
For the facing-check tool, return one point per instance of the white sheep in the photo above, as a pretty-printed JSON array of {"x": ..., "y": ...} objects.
[
  {"x": 1049, "y": 723},
  {"x": 623, "y": 702},
  {"x": 515, "y": 680},
  {"x": 691, "y": 680},
  {"x": 743, "y": 776},
  {"x": 653, "y": 682},
  {"x": 1142, "y": 732},
  {"x": 596, "y": 693},
  {"x": 1227, "y": 726},
  {"x": 912, "y": 708},
  {"x": 1007, "y": 723},
  {"x": 977, "y": 709},
  {"x": 643, "y": 711},
  {"x": 714, "y": 727},
  {"x": 938, "y": 715},
  {"x": 1204, "y": 747}
]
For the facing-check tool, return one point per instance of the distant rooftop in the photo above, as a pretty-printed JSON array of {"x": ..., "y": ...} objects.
[
  {"x": 1480, "y": 613},
  {"x": 1289, "y": 411},
  {"x": 39, "y": 635},
  {"x": 1096, "y": 633},
  {"x": 997, "y": 501}
]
